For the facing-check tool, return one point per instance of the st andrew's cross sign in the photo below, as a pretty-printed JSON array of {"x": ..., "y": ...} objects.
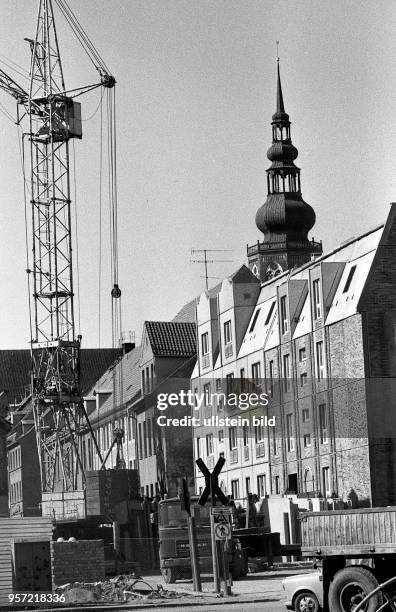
[{"x": 212, "y": 483}]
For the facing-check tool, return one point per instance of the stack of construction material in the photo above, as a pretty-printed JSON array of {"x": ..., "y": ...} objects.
[{"x": 106, "y": 490}]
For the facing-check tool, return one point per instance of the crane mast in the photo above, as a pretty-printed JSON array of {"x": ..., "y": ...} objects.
[
  {"x": 55, "y": 349},
  {"x": 53, "y": 118}
]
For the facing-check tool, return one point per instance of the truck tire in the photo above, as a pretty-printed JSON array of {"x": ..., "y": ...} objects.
[
  {"x": 169, "y": 575},
  {"x": 349, "y": 586},
  {"x": 306, "y": 602}
]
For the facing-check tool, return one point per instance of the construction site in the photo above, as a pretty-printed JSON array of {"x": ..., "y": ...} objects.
[
  {"x": 244, "y": 426},
  {"x": 77, "y": 518}
]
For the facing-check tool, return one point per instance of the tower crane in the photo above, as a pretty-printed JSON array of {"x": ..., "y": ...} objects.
[{"x": 50, "y": 116}]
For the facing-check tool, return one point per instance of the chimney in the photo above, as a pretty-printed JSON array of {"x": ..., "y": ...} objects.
[{"x": 127, "y": 342}]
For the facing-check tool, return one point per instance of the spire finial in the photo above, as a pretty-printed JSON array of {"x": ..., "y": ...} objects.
[{"x": 280, "y": 108}]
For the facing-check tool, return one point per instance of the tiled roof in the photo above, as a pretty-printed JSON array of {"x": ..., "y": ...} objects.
[
  {"x": 15, "y": 369},
  {"x": 172, "y": 339}
]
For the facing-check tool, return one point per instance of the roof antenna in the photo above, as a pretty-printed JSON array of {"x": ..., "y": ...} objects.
[{"x": 277, "y": 51}]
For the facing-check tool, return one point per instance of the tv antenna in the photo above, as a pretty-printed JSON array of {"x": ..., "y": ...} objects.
[{"x": 207, "y": 261}]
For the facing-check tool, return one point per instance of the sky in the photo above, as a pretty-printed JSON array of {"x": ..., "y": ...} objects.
[{"x": 196, "y": 89}]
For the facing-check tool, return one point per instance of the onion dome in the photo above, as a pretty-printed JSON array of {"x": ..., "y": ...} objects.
[{"x": 284, "y": 215}]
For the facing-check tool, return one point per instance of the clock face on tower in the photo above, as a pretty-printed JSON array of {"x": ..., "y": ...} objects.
[{"x": 273, "y": 269}]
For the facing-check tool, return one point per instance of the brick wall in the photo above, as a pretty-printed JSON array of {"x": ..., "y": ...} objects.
[{"x": 81, "y": 561}]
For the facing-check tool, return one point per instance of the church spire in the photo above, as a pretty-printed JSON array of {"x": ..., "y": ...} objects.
[
  {"x": 284, "y": 219},
  {"x": 280, "y": 107}
]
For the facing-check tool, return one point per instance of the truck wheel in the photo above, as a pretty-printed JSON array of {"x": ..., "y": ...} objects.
[
  {"x": 306, "y": 602},
  {"x": 349, "y": 586},
  {"x": 169, "y": 575}
]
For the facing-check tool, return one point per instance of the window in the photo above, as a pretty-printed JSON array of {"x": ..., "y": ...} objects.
[
  {"x": 205, "y": 343},
  {"x": 289, "y": 432},
  {"x": 303, "y": 379},
  {"x": 242, "y": 379},
  {"x": 349, "y": 279},
  {"x": 323, "y": 424},
  {"x": 256, "y": 373},
  {"x": 221, "y": 436},
  {"x": 206, "y": 390},
  {"x": 247, "y": 481},
  {"x": 320, "y": 371},
  {"x": 245, "y": 434},
  {"x": 209, "y": 444},
  {"x": 227, "y": 332},
  {"x": 232, "y": 436},
  {"x": 140, "y": 442},
  {"x": 218, "y": 384},
  {"x": 262, "y": 485},
  {"x": 283, "y": 313},
  {"x": 305, "y": 415},
  {"x": 274, "y": 442},
  {"x": 227, "y": 339},
  {"x": 316, "y": 299},
  {"x": 269, "y": 315},
  {"x": 307, "y": 440},
  {"x": 326, "y": 481},
  {"x": 286, "y": 372},
  {"x": 271, "y": 378},
  {"x": 150, "y": 437},
  {"x": 235, "y": 489},
  {"x": 277, "y": 485},
  {"x": 198, "y": 447},
  {"x": 229, "y": 382},
  {"x": 143, "y": 381},
  {"x": 144, "y": 439},
  {"x": 256, "y": 314},
  {"x": 259, "y": 433},
  {"x": 302, "y": 354}
]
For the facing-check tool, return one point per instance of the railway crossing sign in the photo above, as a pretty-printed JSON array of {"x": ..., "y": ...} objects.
[
  {"x": 211, "y": 482},
  {"x": 222, "y": 531}
]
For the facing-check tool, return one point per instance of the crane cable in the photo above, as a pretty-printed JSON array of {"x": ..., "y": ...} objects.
[
  {"x": 82, "y": 37},
  {"x": 112, "y": 149}
]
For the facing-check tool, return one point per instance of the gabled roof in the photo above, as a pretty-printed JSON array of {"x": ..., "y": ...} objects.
[
  {"x": 187, "y": 313},
  {"x": 171, "y": 339}
]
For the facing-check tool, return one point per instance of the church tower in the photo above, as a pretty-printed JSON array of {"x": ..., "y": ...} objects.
[{"x": 285, "y": 219}]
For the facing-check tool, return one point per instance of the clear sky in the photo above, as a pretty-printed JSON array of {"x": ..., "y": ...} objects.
[{"x": 195, "y": 94}]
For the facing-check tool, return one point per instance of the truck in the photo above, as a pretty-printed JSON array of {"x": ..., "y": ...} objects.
[
  {"x": 356, "y": 549},
  {"x": 174, "y": 547}
]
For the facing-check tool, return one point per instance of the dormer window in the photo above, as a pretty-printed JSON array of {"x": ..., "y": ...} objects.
[
  {"x": 205, "y": 350},
  {"x": 317, "y": 309},
  {"x": 269, "y": 315},
  {"x": 227, "y": 339},
  {"x": 256, "y": 314},
  {"x": 205, "y": 343},
  {"x": 227, "y": 332},
  {"x": 349, "y": 279},
  {"x": 283, "y": 314}
]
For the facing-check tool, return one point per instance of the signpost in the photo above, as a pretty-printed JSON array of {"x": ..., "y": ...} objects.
[
  {"x": 220, "y": 527},
  {"x": 192, "y": 535}
]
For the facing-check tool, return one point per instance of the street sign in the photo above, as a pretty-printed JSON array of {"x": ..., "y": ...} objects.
[
  {"x": 222, "y": 531},
  {"x": 211, "y": 482},
  {"x": 221, "y": 510},
  {"x": 221, "y": 514}
]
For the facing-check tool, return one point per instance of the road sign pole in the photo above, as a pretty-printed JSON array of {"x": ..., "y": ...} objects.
[
  {"x": 225, "y": 569},
  {"x": 216, "y": 577},
  {"x": 193, "y": 553}
]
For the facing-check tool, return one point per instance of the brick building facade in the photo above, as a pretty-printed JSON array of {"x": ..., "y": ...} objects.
[{"x": 320, "y": 341}]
